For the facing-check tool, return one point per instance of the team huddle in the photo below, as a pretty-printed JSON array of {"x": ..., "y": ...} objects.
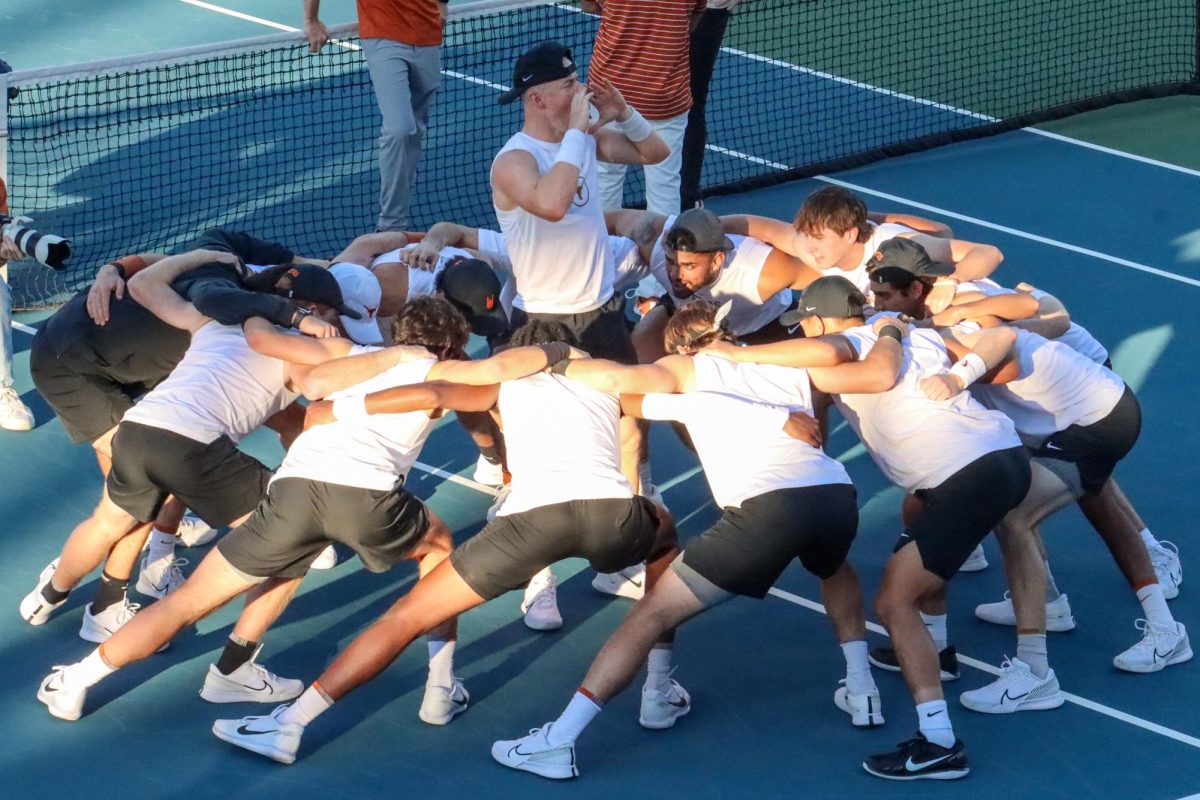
[{"x": 988, "y": 406}]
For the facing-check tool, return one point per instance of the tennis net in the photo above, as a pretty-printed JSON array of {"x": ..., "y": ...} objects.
[{"x": 259, "y": 135}]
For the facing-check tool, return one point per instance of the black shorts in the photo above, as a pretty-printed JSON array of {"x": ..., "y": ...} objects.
[
  {"x": 1095, "y": 449},
  {"x": 611, "y": 534},
  {"x": 748, "y": 548},
  {"x": 87, "y": 403},
  {"x": 959, "y": 512},
  {"x": 601, "y": 332},
  {"x": 218, "y": 482},
  {"x": 299, "y": 518},
  {"x": 91, "y": 374}
]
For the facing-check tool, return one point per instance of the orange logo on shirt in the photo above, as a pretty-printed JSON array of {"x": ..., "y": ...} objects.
[{"x": 490, "y": 302}]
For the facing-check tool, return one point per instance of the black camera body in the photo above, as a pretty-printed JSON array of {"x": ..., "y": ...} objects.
[{"x": 46, "y": 248}]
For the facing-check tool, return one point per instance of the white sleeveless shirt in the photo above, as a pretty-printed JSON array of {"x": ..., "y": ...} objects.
[
  {"x": 1055, "y": 388},
  {"x": 918, "y": 443},
  {"x": 562, "y": 267},
  {"x": 562, "y": 442},
  {"x": 736, "y": 418},
  {"x": 221, "y": 388},
  {"x": 371, "y": 453},
  {"x": 737, "y": 281}
]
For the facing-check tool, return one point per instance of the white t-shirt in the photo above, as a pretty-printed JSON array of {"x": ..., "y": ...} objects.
[
  {"x": 737, "y": 281},
  {"x": 858, "y": 274},
  {"x": 1077, "y": 337},
  {"x": 736, "y": 420},
  {"x": 371, "y": 453},
  {"x": 1056, "y": 387},
  {"x": 918, "y": 443},
  {"x": 221, "y": 387},
  {"x": 562, "y": 267},
  {"x": 562, "y": 442}
]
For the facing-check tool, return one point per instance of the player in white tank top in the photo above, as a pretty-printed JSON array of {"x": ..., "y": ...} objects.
[
  {"x": 1049, "y": 388},
  {"x": 958, "y": 450},
  {"x": 544, "y": 183}
]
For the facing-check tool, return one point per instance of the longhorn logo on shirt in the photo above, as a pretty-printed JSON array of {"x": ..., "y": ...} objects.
[
  {"x": 490, "y": 302},
  {"x": 370, "y": 311},
  {"x": 581, "y": 193}
]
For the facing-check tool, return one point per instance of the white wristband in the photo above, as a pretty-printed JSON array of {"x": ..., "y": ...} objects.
[
  {"x": 352, "y": 408},
  {"x": 573, "y": 149},
  {"x": 636, "y": 128},
  {"x": 969, "y": 369}
]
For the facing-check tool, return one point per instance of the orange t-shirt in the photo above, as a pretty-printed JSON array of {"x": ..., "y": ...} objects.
[
  {"x": 3, "y": 197},
  {"x": 415, "y": 22}
]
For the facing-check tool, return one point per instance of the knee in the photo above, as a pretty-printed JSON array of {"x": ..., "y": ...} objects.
[{"x": 889, "y": 605}]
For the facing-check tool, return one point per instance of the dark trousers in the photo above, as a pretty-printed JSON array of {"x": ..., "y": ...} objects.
[{"x": 705, "y": 44}]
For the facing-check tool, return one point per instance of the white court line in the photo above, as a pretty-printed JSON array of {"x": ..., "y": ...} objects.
[
  {"x": 1083, "y": 702},
  {"x": 1162, "y": 273},
  {"x": 23, "y": 328}
]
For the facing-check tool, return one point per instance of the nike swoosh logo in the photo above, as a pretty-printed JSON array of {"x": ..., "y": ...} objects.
[
  {"x": 637, "y": 583},
  {"x": 516, "y": 751},
  {"x": 265, "y": 687},
  {"x": 1161, "y": 656},
  {"x": 933, "y": 713},
  {"x": 1053, "y": 446},
  {"x": 917, "y": 766},
  {"x": 681, "y": 703},
  {"x": 246, "y": 730},
  {"x": 810, "y": 309},
  {"x": 1007, "y": 696}
]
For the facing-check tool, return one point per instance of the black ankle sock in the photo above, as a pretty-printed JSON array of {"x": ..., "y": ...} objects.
[
  {"x": 52, "y": 595},
  {"x": 237, "y": 652},
  {"x": 111, "y": 590}
]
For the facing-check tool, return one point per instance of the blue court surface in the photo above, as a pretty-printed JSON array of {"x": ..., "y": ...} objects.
[{"x": 1115, "y": 237}]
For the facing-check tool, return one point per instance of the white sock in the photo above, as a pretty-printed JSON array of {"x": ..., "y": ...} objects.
[
  {"x": 858, "y": 669},
  {"x": 658, "y": 668},
  {"x": 1154, "y": 604},
  {"x": 1031, "y": 648},
  {"x": 441, "y": 662},
  {"x": 162, "y": 546},
  {"x": 1148, "y": 538},
  {"x": 934, "y": 720},
  {"x": 936, "y": 625},
  {"x": 645, "y": 478},
  {"x": 1052, "y": 592},
  {"x": 307, "y": 707},
  {"x": 538, "y": 582},
  {"x": 574, "y": 718},
  {"x": 89, "y": 672}
]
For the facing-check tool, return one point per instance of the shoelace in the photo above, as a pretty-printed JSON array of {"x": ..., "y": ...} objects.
[
  {"x": 171, "y": 576},
  {"x": 127, "y": 612},
  {"x": 1151, "y": 635},
  {"x": 547, "y": 596},
  {"x": 1010, "y": 672}
]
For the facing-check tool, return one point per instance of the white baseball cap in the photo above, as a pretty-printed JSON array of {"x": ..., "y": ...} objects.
[{"x": 362, "y": 293}]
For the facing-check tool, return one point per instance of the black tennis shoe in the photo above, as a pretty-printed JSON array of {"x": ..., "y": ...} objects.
[
  {"x": 920, "y": 759},
  {"x": 885, "y": 658}
]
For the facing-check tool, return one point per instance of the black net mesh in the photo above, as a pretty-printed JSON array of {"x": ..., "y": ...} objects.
[{"x": 283, "y": 144}]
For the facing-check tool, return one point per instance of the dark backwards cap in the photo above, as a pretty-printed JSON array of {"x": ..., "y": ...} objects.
[
  {"x": 833, "y": 297},
  {"x": 472, "y": 286},
  {"x": 907, "y": 256},
  {"x": 698, "y": 230},
  {"x": 315, "y": 285},
  {"x": 541, "y": 63}
]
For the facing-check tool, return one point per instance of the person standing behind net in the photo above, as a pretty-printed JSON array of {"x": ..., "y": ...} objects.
[
  {"x": 642, "y": 49},
  {"x": 705, "y": 45},
  {"x": 401, "y": 40},
  {"x": 14, "y": 415}
]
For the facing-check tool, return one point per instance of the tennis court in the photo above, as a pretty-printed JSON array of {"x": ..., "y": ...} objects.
[{"x": 1113, "y": 234}]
